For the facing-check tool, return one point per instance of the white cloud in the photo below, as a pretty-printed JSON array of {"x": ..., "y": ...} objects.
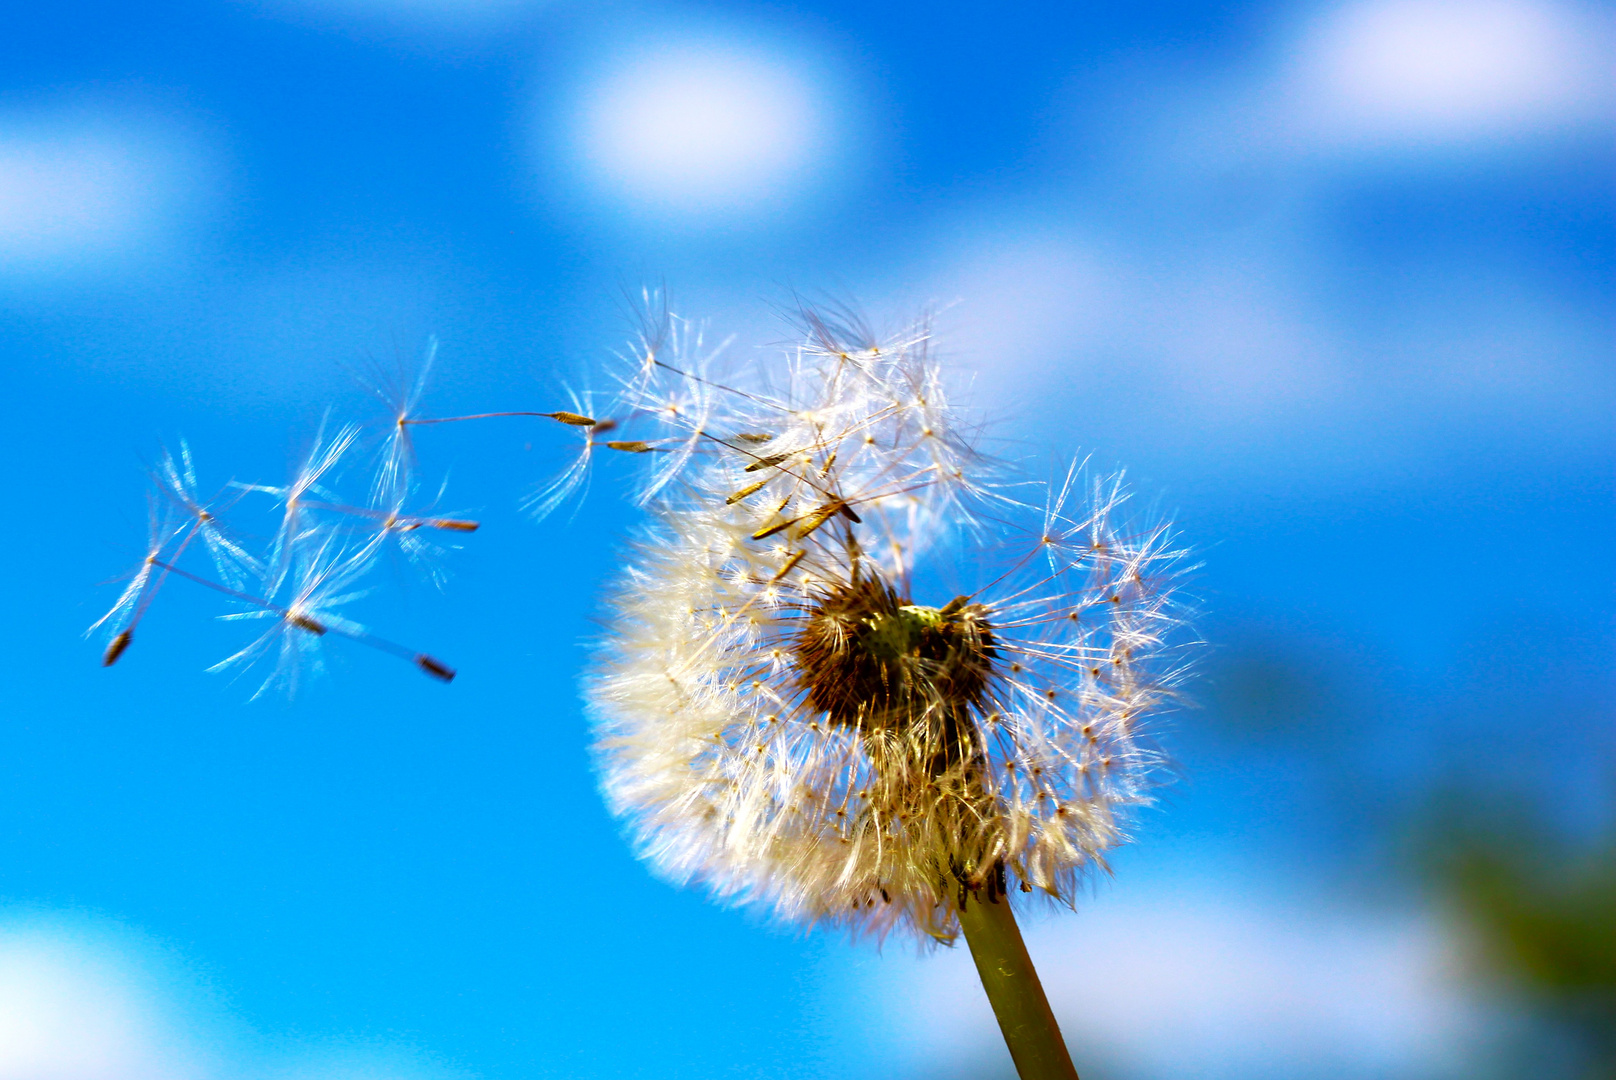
[
  {"x": 1200, "y": 345},
  {"x": 1442, "y": 71},
  {"x": 88, "y": 1003},
  {"x": 1021, "y": 295},
  {"x": 1200, "y": 985},
  {"x": 1212, "y": 335},
  {"x": 700, "y": 128},
  {"x": 70, "y": 1011},
  {"x": 1189, "y": 302},
  {"x": 420, "y": 19},
  {"x": 76, "y": 192},
  {"x": 468, "y": 10}
]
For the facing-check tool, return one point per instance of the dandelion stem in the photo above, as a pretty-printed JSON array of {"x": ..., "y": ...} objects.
[{"x": 1012, "y": 987}]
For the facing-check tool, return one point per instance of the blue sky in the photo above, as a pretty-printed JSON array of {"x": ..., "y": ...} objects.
[{"x": 1333, "y": 282}]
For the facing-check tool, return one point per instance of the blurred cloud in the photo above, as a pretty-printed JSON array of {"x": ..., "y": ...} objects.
[
  {"x": 91, "y": 1002},
  {"x": 1191, "y": 983},
  {"x": 79, "y": 191},
  {"x": 1206, "y": 345},
  {"x": 70, "y": 1010},
  {"x": 1429, "y": 72},
  {"x": 419, "y": 19},
  {"x": 1215, "y": 334},
  {"x": 700, "y": 128},
  {"x": 458, "y": 10},
  {"x": 1218, "y": 304}
]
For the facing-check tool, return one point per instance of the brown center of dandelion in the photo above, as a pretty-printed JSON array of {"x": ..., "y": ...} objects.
[{"x": 872, "y": 661}]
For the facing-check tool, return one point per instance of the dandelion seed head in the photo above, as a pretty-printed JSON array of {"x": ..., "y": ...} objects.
[{"x": 783, "y": 720}]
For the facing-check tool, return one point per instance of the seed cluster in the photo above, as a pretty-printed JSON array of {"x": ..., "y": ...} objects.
[{"x": 779, "y": 720}]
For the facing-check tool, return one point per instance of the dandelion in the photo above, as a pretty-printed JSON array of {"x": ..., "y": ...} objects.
[
  {"x": 788, "y": 715},
  {"x": 857, "y": 671}
]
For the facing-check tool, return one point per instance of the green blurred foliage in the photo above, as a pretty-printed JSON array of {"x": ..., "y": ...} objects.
[{"x": 1541, "y": 914}]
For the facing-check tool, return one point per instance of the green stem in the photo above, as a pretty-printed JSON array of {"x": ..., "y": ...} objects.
[{"x": 1012, "y": 987}]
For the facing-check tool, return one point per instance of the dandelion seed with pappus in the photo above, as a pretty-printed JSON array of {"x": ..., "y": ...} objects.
[
  {"x": 785, "y": 717},
  {"x": 324, "y": 543},
  {"x": 312, "y": 567}
]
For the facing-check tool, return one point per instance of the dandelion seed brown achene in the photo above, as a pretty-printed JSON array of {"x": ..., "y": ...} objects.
[
  {"x": 435, "y": 668},
  {"x": 115, "y": 647}
]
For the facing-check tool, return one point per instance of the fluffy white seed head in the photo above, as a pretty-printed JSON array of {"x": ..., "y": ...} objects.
[{"x": 782, "y": 720}]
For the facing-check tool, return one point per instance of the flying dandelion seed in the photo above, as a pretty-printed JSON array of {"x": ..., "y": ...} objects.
[
  {"x": 315, "y": 558},
  {"x": 177, "y": 515},
  {"x": 324, "y": 579},
  {"x": 572, "y": 483},
  {"x": 175, "y": 479},
  {"x": 323, "y": 544},
  {"x": 399, "y": 387},
  {"x": 302, "y": 496},
  {"x": 125, "y": 614}
]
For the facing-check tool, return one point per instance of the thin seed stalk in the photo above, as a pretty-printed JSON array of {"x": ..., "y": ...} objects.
[{"x": 1012, "y": 986}]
